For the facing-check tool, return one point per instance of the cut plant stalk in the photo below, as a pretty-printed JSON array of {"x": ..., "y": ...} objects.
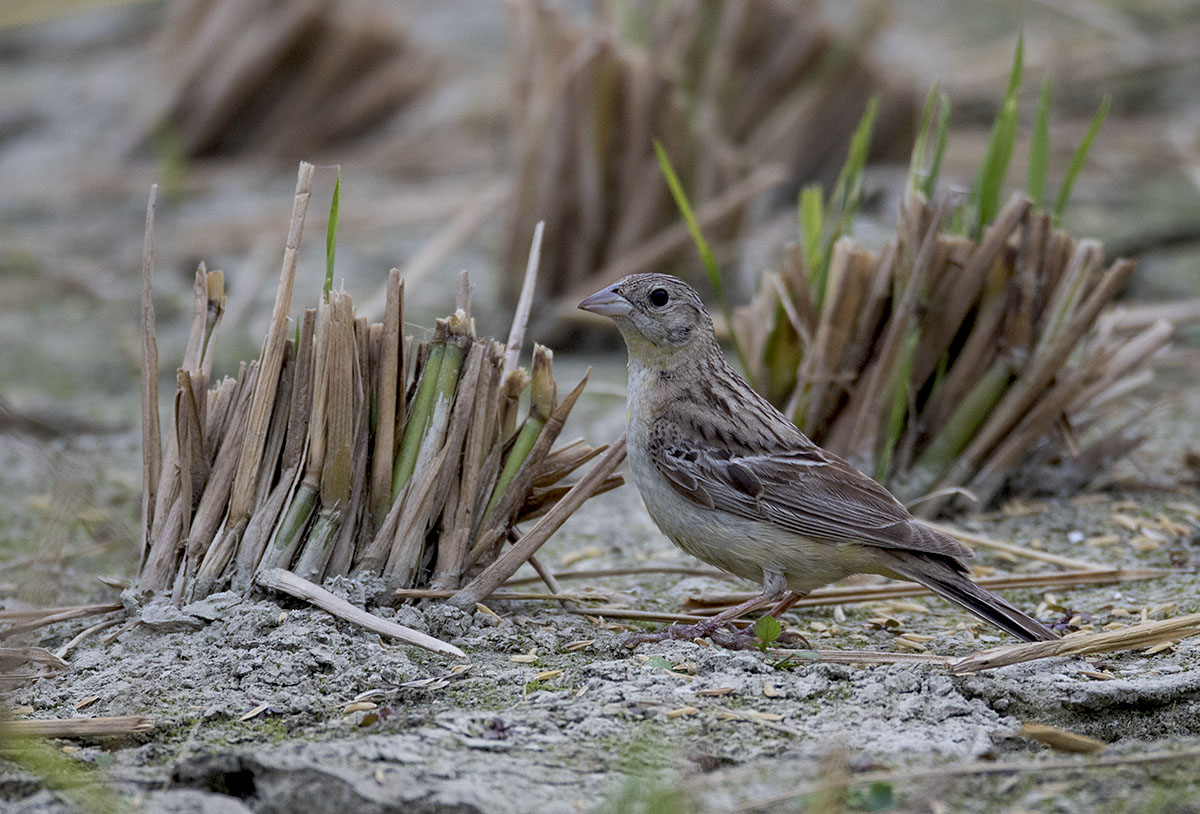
[
  {"x": 151, "y": 431},
  {"x": 341, "y": 395},
  {"x": 542, "y": 401},
  {"x": 388, "y": 390},
  {"x": 290, "y": 532},
  {"x": 258, "y": 530},
  {"x": 970, "y": 347},
  {"x": 424, "y": 502},
  {"x": 324, "y": 451},
  {"x": 422, "y": 411},
  {"x": 503, "y": 512}
]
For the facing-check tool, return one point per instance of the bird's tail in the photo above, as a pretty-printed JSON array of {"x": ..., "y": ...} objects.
[{"x": 940, "y": 576}]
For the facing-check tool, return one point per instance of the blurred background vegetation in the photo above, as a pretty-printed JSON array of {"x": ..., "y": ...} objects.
[{"x": 459, "y": 124}]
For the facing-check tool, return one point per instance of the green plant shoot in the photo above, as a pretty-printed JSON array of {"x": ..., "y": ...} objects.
[
  {"x": 1064, "y": 192},
  {"x": 706, "y": 255},
  {"x": 1039, "y": 149},
  {"x": 768, "y": 630},
  {"x": 331, "y": 235},
  {"x": 984, "y": 200},
  {"x": 939, "y": 145}
]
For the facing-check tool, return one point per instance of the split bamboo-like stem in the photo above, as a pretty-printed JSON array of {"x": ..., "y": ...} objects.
[
  {"x": 507, "y": 564},
  {"x": 1145, "y": 634},
  {"x": 245, "y": 479},
  {"x": 277, "y": 579},
  {"x": 389, "y": 387},
  {"x": 516, "y": 334},
  {"x": 79, "y": 727},
  {"x": 151, "y": 431}
]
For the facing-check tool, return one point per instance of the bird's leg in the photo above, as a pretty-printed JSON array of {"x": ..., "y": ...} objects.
[
  {"x": 782, "y": 606},
  {"x": 774, "y": 594}
]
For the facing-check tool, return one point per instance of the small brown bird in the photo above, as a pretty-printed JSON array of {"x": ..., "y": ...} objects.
[{"x": 730, "y": 480}]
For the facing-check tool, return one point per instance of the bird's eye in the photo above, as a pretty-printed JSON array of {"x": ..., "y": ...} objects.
[{"x": 659, "y": 297}]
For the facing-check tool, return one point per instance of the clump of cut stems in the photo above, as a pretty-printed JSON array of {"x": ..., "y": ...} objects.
[
  {"x": 341, "y": 68},
  {"x": 972, "y": 346},
  {"x": 741, "y": 95},
  {"x": 349, "y": 447}
]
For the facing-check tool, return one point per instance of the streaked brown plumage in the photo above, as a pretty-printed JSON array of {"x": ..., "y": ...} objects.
[{"x": 733, "y": 482}]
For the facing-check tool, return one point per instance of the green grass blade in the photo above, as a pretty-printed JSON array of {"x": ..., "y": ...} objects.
[
  {"x": 916, "y": 163},
  {"x": 1039, "y": 149},
  {"x": 994, "y": 170},
  {"x": 706, "y": 255},
  {"x": 1018, "y": 66},
  {"x": 939, "y": 145},
  {"x": 984, "y": 200},
  {"x": 1064, "y": 192},
  {"x": 845, "y": 199},
  {"x": 812, "y": 226},
  {"x": 847, "y": 192},
  {"x": 899, "y": 406},
  {"x": 331, "y": 235}
]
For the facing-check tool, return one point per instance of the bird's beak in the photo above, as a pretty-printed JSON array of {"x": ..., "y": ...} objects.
[{"x": 607, "y": 302}]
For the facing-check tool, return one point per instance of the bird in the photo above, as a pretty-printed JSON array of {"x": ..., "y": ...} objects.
[{"x": 732, "y": 481}]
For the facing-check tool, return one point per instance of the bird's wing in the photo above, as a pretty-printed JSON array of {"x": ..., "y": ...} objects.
[{"x": 803, "y": 489}]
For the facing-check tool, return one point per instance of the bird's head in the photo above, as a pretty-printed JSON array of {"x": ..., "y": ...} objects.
[{"x": 661, "y": 318}]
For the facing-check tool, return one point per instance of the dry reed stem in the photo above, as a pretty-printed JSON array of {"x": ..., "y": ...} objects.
[
  {"x": 1145, "y": 634},
  {"x": 547, "y": 575},
  {"x": 28, "y": 614},
  {"x": 565, "y": 460},
  {"x": 866, "y": 426},
  {"x": 507, "y": 564},
  {"x": 358, "y": 520},
  {"x": 388, "y": 386},
  {"x": 638, "y": 570},
  {"x": 246, "y": 475},
  {"x": 277, "y": 433},
  {"x": 503, "y": 513},
  {"x": 53, "y": 615},
  {"x": 1126, "y": 359},
  {"x": 973, "y": 538},
  {"x": 965, "y": 284},
  {"x": 498, "y": 596},
  {"x": 540, "y": 501},
  {"x": 258, "y": 531},
  {"x": 151, "y": 431},
  {"x": 168, "y": 486},
  {"x": 456, "y": 535},
  {"x": 83, "y": 635},
  {"x": 1135, "y": 316},
  {"x": 78, "y": 727},
  {"x": 1061, "y": 739},
  {"x": 277, "y": 579},
  {"x": 843, "y": 595},
  {"x": 1032, "y": 384},
  {"x": 516, "y": 334},
  {"x": 428, "y": 497},
  {"x": 212, "y": 508},
  {"x": 36, "y": 655}
]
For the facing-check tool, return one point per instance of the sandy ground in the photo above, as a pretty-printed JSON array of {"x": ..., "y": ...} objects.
[{"x": 579, "y": 722}]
